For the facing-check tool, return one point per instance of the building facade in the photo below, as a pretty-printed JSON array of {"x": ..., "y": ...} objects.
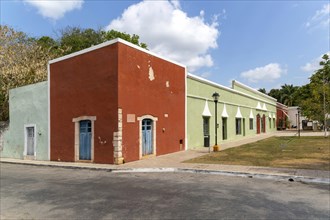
[
  {"x": 115, "y": 102},
  {"x": 27, "y": 136},
  {"x": 241, "y": 112}
]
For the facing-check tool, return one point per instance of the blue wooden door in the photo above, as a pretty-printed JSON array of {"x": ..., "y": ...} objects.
[
  {"x": 85, "y": 140},
  {"x": 147, "y": 146}
]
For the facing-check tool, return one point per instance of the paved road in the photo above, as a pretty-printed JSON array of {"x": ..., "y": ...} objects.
[{"x": 31, "y": 192}]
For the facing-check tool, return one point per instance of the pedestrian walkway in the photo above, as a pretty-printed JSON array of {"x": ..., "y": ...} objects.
[{"x": 174, "y": 162}]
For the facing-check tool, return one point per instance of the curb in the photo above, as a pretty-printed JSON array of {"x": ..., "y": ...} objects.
[
  {"x": 289, "y": 178},
  {"x": 302, "y": 179}
]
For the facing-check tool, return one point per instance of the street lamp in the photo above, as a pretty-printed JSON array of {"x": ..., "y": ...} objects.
[
  {"x": 216, "y": 99},
  {"x": 298, "y": 121}
]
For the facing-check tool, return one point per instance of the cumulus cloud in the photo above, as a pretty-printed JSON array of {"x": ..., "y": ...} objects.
[
  {"x": 314, "y": 64},
  {"x": 267, "y": 73},
  {"x": 170, "y": 32},
  {"x": 55, "y": 9},
  {"x": 321, "y": 18}
]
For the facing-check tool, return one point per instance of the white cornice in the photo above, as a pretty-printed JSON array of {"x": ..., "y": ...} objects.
[
  {"x": 253, "y": 90},
  {"x": 107, "y": 43},
  {"x": 200, "y": 79}
]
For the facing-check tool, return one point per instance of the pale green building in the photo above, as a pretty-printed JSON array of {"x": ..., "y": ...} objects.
[
  {"x": 241, "y": 112},
  {"x": 27, "y": 136}
]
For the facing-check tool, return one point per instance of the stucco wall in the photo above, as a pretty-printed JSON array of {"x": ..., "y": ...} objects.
[
  {"x": 117, "y": 84},
  {"x": 27, "y": 105},
  {"x": 149, "y": 85},
  {"x": 84, "y": 85},
  {"x": 200, "y": 91}
]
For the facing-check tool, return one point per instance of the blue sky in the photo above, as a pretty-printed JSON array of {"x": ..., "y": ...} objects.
[{"x": 263, "y": 44}]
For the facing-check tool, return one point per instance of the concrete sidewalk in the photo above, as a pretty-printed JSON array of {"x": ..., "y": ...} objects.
[{"x": 174, "y": 163}]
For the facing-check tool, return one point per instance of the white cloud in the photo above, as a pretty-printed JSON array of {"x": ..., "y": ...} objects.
[
  {"x": 321, "y": 18},
  {"x": 267, "y": 73},
  {"x": 55, "y": 9},
  {"x": 314, "y": 64},
  {"x": 170, "y": 32}
]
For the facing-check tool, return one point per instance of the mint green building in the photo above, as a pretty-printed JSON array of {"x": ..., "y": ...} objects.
[
  {"x": 27, "y": 136},
  {"x": 241, "y": 112}
]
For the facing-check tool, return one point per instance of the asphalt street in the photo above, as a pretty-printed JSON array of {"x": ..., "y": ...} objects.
[{"x": 35, "y": 192}]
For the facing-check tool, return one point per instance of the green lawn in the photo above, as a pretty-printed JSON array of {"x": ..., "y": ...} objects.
[{"x": 290, "y": 152}]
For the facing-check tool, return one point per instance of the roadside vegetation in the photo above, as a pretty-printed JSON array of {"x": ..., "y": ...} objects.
[{"x": 289, "y": 152}]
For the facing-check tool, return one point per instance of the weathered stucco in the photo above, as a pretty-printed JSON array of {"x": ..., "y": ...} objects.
[
  {"x": 118, "y": 84},
  {"x": 199, "y": 91},
  {"x": 27, "y": 105}
]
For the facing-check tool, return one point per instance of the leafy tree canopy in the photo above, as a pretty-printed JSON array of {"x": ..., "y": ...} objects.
[
  {"x": 77, "y": 39},
  {"x": 313, "y": 97},
  {"x": 262, "y": 90}
]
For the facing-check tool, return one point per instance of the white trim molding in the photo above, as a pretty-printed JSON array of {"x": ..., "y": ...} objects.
[
  {"x": 186, "y": 111},
  {"x": 206, "y": 111},
  {"x": 238, "y": 114},
  {"x": 264, "y": 107},
  {"x": 107, "y": 43},
  {"x": 208, "y": 82},
  {"x": 48, "y": 106},
  {"x": 252, "y": 90},
  {"x": 76, "y": 122},
  {"x": 224, "y": 112},
  {"x": 154, "y": 143},
  {"x": 251, "y": 114}
]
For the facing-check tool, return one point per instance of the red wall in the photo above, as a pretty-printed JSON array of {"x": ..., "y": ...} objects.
[
  {"x": 141, "y": 96},
  {"x": 84, "y": 85},
  {"x": 99, "y": 82}
]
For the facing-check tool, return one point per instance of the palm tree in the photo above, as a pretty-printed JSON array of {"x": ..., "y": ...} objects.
[{"x": 288, "y": 94}]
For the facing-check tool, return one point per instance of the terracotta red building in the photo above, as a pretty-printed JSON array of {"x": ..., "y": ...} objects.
[
  {"x": 114, "y": 103},
  {"x": 282, "y": 116}
]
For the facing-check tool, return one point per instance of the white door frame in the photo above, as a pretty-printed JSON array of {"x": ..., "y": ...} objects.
[
  {"x": 34, "y": 142},
  {"x": 154, "y": 120},
  {"x": 76, "y": 122}
]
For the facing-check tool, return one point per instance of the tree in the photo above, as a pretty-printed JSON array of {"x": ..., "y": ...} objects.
[
  {"x": 288, "y": 94},
  {"x": 52, "y": 46},
  {"x": 76, "y": 38},
  {"x": 112, "y": 34},
  {"x": 22, "y": 62},
  {"x": 317, "y": 104},
  {"x": 275, "y": 93},
  {"x": 263, "y": 90}
]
